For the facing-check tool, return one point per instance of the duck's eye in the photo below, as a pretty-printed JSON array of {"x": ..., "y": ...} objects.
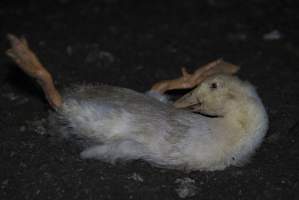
[{"x": 213, "y": 86}]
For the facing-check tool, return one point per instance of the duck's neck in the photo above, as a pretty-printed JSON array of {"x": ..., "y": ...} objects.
[{"x": 245, "y": 120}]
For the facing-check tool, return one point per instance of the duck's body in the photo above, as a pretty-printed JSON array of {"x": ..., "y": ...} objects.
[
  {"x": 127, "y": 125},
  {"x": 131, "y": 125}
]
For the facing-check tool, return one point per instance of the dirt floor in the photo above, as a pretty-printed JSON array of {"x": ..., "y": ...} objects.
[{"x": 134, "y": 44}]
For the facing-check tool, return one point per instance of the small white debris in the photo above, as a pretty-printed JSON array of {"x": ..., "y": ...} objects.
[
  {"x": 273, "y": 35},
  {"x": 186, "y": 187},
  {"x": 136, "y": 177}
]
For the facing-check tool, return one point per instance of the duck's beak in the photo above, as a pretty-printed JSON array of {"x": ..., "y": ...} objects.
[{"x": 189, "y": 100}]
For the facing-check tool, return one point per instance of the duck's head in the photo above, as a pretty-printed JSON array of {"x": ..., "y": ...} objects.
[{"x": 214, "y": 95}]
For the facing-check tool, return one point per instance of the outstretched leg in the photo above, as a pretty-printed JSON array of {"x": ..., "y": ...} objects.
[
  {"x": 187, "y": 81},
  {"x": 26, "y": 59}
]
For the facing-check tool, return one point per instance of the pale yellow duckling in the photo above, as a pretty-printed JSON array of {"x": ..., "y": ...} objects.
[{"x": 126, "y": 125}]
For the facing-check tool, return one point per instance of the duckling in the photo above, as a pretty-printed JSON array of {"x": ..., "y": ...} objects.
[{"x": 220, "y": 123}]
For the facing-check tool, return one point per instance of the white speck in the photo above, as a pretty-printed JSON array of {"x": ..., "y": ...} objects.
[
  {"x": 273, "y": 35},
  {"x": 186, "y": 187},
  {"x": 136, "y": 177}
]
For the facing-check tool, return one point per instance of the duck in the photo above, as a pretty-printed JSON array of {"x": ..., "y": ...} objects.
[{"x": 221, "y": 122}]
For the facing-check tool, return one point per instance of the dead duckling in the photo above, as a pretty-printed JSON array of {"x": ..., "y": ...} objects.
[{"x": 127, "y": 125}]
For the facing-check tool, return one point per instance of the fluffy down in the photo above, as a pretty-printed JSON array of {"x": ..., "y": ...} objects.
[{"x": 126, "y": 125}]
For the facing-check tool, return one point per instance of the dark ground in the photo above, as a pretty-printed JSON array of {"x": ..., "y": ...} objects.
[{"x": 134, "y": 44}]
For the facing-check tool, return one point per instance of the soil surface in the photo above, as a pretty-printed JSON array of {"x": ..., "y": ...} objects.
[{"x": 135, "y": 44}]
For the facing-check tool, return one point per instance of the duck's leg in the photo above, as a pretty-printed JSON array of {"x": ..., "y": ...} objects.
[
  {"x": 187, "y": 81},
  {"x": 26, "y": 59}
]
